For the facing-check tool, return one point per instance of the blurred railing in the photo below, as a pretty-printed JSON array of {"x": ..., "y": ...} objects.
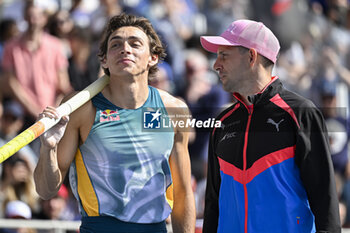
[
  {"x": 56, "y": 225},
  {"x": 63, "y": 226}
]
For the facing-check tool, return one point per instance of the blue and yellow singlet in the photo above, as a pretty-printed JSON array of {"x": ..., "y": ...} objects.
[{"x": 122, "y": 170}]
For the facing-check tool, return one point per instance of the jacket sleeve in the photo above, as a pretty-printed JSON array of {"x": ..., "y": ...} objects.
[
  {"x": 211, "y": 210},
  {"x": 316, "y": 170}
]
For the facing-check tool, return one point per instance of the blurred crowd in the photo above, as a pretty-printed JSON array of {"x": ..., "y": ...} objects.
[{"x": 48, "y": 49}]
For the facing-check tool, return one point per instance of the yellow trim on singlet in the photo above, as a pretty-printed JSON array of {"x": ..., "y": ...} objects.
[
  {"x": 170, "y": 196},
  {"x": 86, "y": 192}
]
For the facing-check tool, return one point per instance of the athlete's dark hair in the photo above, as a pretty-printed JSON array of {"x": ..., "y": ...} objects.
[{"x": 125, "y": 20}]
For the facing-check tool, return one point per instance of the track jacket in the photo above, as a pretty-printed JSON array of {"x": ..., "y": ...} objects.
[{"x": 270, "y": 169}]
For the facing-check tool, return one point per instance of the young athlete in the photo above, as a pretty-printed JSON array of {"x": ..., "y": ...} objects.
[{"x": 125, "y": 178}]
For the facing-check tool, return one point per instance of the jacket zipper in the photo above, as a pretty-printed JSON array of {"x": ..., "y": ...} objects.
[{"x": 250, "y": 112}]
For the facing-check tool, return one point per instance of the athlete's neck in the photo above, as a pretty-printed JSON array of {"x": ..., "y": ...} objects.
[{"x": 128, "y": 95}]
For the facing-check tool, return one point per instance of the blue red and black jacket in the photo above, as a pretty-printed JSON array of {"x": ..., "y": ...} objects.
[{"x": 270, "y": 169}]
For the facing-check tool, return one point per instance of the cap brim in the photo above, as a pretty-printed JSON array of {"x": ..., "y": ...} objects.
[{"x": 211, "y": 43}]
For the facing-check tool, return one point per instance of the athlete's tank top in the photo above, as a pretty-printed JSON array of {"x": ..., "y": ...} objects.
[{"x": 122, "y": 170}]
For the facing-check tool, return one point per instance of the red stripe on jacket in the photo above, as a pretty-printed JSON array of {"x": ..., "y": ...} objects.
[
  {"x": 227, "y": 115},
  {"x": 258, "y": 167},
  {"x": 282, "y": 104}
]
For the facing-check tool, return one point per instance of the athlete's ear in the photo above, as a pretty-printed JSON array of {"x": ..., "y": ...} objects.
[
  {"x": 104, "y": 63},
  {"x": 153, "y": 60}
]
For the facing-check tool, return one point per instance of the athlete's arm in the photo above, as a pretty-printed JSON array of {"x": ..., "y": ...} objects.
[
  {"x": 183, "y": 216},
  {"x": 58, "y": 148}
]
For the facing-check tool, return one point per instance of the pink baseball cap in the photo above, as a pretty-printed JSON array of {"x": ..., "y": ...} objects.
[{"x": 246, "y": 33}]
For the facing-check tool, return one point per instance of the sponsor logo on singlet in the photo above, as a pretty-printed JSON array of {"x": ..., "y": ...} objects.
[{"x": 109, "y": 115}]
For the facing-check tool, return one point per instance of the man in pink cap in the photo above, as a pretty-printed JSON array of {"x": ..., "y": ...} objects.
[{"x": 269, "y": 165}]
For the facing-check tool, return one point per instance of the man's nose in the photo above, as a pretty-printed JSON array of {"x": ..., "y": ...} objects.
[
  {"x": 126, "y": 48},
  {"x": 217, "y": 66}
]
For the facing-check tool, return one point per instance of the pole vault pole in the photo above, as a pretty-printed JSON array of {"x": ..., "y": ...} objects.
[{"x": 44, "y": 124}]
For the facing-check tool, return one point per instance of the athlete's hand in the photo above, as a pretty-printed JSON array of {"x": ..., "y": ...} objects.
[{"x": 52, "y": 137}]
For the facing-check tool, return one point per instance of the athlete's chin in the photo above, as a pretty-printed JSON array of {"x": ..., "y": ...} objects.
[{"x": 121, "y": 73}]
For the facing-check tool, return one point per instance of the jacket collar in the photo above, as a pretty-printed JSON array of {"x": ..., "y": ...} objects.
[
  {"x": 267, "y": 93},
  {"x": 270, "y": 90}
]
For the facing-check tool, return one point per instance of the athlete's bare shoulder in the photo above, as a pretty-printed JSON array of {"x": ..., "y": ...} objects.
[
  {"x": 82, "y": 118},
  {"x": 170, "y": 101},
  {"x": 175, "y": 106}
]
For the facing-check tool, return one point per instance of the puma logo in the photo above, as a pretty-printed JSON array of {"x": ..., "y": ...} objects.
[{"x": 274, "y": 123}]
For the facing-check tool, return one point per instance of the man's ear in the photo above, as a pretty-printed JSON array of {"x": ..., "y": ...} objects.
[
  {"x": 153, "y": 60},
  {"x": 253, "y": 56},
  {"x": 104, "y": 63}
]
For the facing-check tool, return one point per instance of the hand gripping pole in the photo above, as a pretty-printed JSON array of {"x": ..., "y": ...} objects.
[{"x": 44, "y": 124}]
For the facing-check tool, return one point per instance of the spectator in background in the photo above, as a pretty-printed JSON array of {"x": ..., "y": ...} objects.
[
  {"x": 80, "y": 11},
  {"x": 163, "y": 79},
  {"x": 329, "y": 69},
  {"x": 35, "y": 69},
  {"x": 17, "y": 210},
  {"x": 8, "y": 30},
  {"x": 181, "y": 15},
  {"x": 58, "y": 207},
  {"x": 205, "y": 100},
  {"x": 158, "y": 14},
  {"x": 60, "y": 25},
  {"x": 219, "y": 13},
  {"x": 102, "y": 14},
  {"x": 333, "y": 67},
  {"x": 14, "y": 9},
  {"x": 54, "y": 208},
  {"x": 281, "y": 14},
  {"x": 339, "y": 135},
  {"x": 17, "y": 182},
  {"x": 336, "y": 11},
  {"x": 84, "y": 65},
  {"x": 11, "y": 122}
]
